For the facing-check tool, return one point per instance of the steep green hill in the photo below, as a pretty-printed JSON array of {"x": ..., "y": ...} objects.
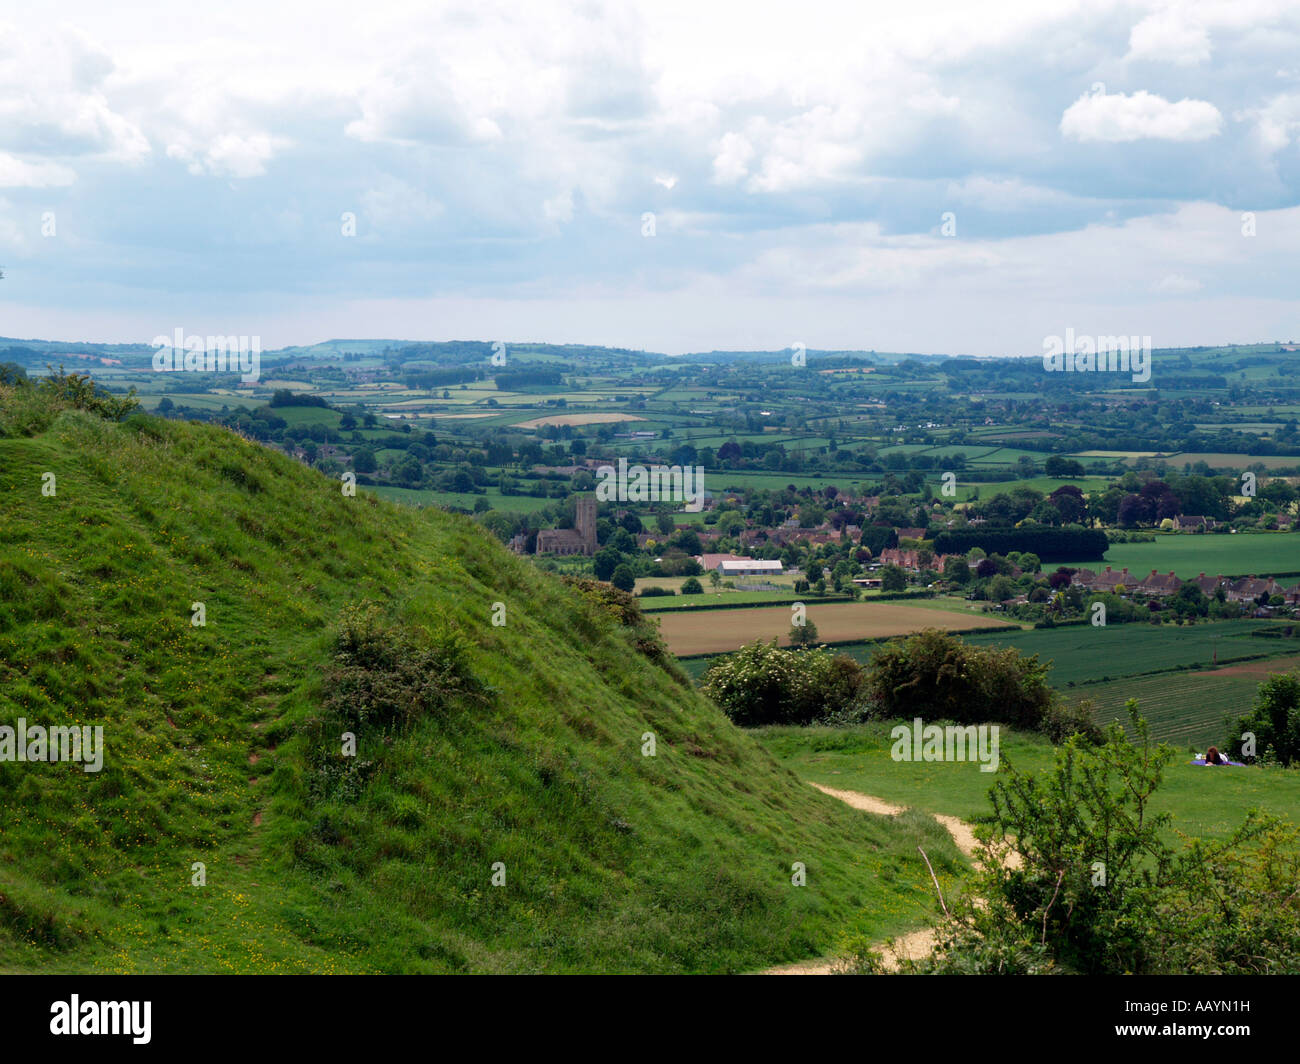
[{"x": 476, "y": 743}]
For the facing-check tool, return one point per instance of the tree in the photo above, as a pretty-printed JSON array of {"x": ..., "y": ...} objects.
[
  {"x": 1060, "y": 467},
  {"x": 691, "y": 586},
  {"x": 623, "y": 578},
  {"x": 363, "y": 460},
  {"x": 1274, "y": 721},
  {"x": 892, "y": 578},
  {"x": 956, "y": 681},
  {"x": 605, "y": 562},
  {"x": 1190, "y": 601},
  {"x": 715, "y": 579},
  {"x": 803, "y": 635}
]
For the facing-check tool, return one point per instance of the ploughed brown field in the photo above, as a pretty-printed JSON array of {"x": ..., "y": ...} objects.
[{"x": 715, "y": 631}]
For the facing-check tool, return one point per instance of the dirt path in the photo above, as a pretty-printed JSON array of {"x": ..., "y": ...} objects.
[{"x": 917, "y": 944}]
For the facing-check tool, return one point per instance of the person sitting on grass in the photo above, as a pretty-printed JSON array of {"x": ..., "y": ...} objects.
[{"x": 1213, "y": 757}]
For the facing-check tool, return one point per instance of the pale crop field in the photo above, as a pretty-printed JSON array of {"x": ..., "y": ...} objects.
[
  {"x": 577, "y": 419},
  {"x": 717, "y": 631}
]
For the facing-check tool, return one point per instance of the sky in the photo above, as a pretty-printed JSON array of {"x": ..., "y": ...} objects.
[{"x": 927, "y": 176}]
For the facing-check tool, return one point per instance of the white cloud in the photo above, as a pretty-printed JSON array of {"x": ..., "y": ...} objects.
[
  {"x": 15, "y": 173},
  {"x": 731, "y": 158},
  {"x": 1005, "y": 194},
  {"x": 1177, "y": 284},
  {"x": 52, "y": 98},
  {"x": 1277, "y": 123},
  {"x": 393, "y": 203},
  {"x": 1120, "y": 118},
  {"x": 559, "y": 208},
  {"x": 1170, "y": 36},
  {"x": 228, "y": 155}
]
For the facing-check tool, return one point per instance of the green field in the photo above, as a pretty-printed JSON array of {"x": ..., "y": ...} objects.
[
  {"x": 1082, "y": 654},
  {"x": 1186, "y": 708},
  {"x": 520, "y": 504},
  {"x": 1206, "y": 803},
  {"x": 1188, "y": 555}
]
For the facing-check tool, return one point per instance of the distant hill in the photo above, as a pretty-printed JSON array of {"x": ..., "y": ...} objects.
[{"x": 476, "y": 744}]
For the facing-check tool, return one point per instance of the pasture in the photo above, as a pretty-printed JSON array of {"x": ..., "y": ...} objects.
[
  {"x": 1204, "y": 802},
  {"x": 1189, "y": 554}
]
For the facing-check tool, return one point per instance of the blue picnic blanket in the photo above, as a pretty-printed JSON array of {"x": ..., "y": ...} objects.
[{"x": 1232, "y": 764}]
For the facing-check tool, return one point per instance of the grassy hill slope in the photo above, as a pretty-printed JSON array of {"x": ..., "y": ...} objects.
[{"x": 519, "y": 743}]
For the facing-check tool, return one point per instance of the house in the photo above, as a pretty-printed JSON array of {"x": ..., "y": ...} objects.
[
  {"x": 1107, "y": 580},
  {"x": 1249, "y": 588},
  {"x": 1208, "y": 584},
  {"x": 1193, "y": 523},
  {"x": 711, "y": 562},
  {"x": 1160, "y": 584},
  {"x": 750, "y": 567},
  {"x": 910, "y": 559}
]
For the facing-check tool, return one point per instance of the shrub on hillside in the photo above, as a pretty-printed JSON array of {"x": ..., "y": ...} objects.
[
  {"x": 384, "y": 676},
  {"x": 27, "y": 409},
  {"x": 623, "y": 608},
  {"x": 763, "y": 684},
  {"x": 691, "y": 586},
  {"x": 82, "y": 393},
  {"x": 937, "y": 676}
]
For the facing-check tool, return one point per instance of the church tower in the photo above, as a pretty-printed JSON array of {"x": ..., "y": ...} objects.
[{"x": 584, "y": 523}]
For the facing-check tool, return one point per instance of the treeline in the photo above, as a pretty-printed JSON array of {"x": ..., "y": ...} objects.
[
  {"x": 284, "y": 397},
  {"x": 1071, "y": 543},
  {"x": 522, "y": 378},
  {"x": 441, "y": 377},
  {"x": 451, "y": 351}
]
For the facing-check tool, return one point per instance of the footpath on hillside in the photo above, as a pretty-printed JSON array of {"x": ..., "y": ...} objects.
[{"x": 918, "y": 943}]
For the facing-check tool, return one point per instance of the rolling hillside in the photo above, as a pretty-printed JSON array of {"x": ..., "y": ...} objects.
[{"x": 517, "y": 745}]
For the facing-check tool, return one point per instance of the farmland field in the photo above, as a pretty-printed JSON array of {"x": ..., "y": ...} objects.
[
  {"x": 718, "y": 631},
  {"x": 462, "y": 500},
  {"x": 1081, "y": 653},
  {"x": 1206, "y": 803},
  {"x": 577, "y": 419},
  {"x": 1170, "y": 670},
  {"x": 1187, "y": 707},
  {"x": 1245, "y": 554}
]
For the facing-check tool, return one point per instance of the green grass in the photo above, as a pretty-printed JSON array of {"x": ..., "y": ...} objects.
[
  {"x": 1082, "y": 654},
  {"x": 615, "y": 861},
  {"x": 521, "y": 504},
  {"x": 1205, "y": 803},
  {"x": 1189, "y": 554},
  {"x": 1187, "y": 708}
]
